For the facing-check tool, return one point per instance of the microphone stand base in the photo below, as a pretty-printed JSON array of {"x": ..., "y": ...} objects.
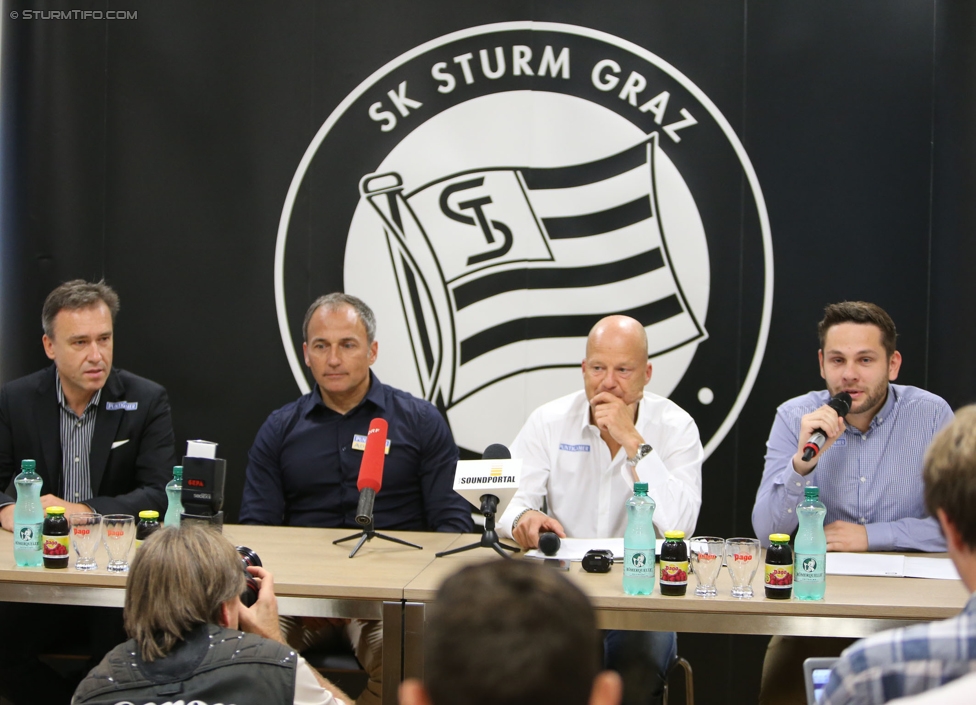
[
  {"x": 367, "y": 535},
  {"x": 489, "y": 539}
]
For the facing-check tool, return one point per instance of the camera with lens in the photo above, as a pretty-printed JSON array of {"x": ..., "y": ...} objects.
[
  {"x": 598, "y": 560},
  {"x": 249, "y": 558}
]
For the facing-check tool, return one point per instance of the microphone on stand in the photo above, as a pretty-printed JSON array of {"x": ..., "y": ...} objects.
[
  {"x": 371, "y": 470},
  {"x": 369, "y": 483},
  {"x": 841, "y": 404},
  {"x": 496, "y": 451},
  {"x": 494, "y": 490}
]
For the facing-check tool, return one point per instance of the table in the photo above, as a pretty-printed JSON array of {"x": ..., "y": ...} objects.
[
  {"x": 854, "y": 606},
  {"x": 394, "y": 583},
  {"x": 313, "y": 578}
]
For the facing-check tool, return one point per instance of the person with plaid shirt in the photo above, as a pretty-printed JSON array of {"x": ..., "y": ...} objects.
[{"x": 915, "y": 659}]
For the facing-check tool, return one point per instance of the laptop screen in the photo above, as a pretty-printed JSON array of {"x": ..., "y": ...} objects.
[{"x": 816, "y": 673}]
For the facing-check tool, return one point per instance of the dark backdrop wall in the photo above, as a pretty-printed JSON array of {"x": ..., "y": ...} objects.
[{"x": 157, "y": 152}]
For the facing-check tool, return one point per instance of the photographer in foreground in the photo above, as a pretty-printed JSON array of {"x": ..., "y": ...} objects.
[{"x": 183, "y": 613}]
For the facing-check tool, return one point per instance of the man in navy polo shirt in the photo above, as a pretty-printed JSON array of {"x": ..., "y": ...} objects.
[{"x": 304, "y": 464}]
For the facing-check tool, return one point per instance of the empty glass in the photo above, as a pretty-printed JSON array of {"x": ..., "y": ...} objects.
[
  {"x": 742, "y": 557},
  {"x": 86, "y": 531},
  {"x": 706, "y": 553},
  {"x": 118, "y": 530}
]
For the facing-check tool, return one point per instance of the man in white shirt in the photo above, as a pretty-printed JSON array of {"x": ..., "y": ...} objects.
[{"x": 581, "y": 455}]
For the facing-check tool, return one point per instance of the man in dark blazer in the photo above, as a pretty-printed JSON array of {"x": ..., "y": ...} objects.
[
  {"x": 103, "y": 441},
  {"x": 131, "y": 457}
]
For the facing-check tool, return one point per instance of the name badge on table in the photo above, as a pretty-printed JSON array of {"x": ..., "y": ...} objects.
[
  {"x": 121, "y": 405},
  {"x": 359, "y": 443}
]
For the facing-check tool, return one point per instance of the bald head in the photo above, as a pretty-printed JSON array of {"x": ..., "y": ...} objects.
[
  {"x": 616, "y": 359},
  {"x": 620, "y": 333}
]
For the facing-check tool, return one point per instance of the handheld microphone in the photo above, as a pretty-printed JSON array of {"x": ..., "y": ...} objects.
[
  {"x": 841, "y": 404},
  {"x": 371, "y": 470},
  {"x": 549, "y": 543}
]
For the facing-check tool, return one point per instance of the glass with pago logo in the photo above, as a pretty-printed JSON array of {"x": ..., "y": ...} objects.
[
  {"x": 707, "y": 555},
  {"x": 86, "y": 534},
  {"x": 118, "y": 530},
  {"x": 742, "y": 557}
]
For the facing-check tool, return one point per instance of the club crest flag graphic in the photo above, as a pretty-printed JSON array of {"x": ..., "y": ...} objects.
[
  {"x": 505, "y": 270},
  {"x": 494, "y": 192}
]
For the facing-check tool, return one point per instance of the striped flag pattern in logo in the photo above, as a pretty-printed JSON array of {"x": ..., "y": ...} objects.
[{"x": 505, "y": 270}]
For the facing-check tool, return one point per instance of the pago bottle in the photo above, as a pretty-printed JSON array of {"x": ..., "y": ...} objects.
[
  {"x": 639, "y": 542},
  {"x": 147, "y": 526},
  {"x": 56, "y": 541},
  {"x": 810, "y": 548},
  {"x": 28, "y": 516},
  {"x": 674, "y": 564},
  {"x": 174, "y": 493},
  {"x": 779, "y": 567}
]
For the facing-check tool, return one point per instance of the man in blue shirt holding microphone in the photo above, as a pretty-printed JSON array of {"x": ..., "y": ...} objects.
[{"x": 869, "y": 468}]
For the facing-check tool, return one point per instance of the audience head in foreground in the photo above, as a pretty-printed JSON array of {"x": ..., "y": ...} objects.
[
  {"x": 916, "y": 659},
  {"x": 511, "y": 633},
  {"x": 183, "y": 611}
]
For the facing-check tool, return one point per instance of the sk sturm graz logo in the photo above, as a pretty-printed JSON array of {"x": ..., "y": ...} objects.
[{"x": 495, "y": 192}]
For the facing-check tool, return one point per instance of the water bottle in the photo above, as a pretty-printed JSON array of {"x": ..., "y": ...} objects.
[
  {"x": 639, "y": 542},
  {"x": 174, "y": 493},
  {"x": 810, "y": 548},
  {"x": 28, "y": 516}
]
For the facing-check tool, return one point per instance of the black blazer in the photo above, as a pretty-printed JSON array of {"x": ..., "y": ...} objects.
[{"x": 132, "y": 452}]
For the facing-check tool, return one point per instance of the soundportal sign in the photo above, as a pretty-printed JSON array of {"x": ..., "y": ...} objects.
[{"x": 496, "y": 191}]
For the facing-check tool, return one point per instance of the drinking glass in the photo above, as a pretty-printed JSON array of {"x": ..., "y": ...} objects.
[
  {"x": 742, "y": 557},
  {"x": 707, "y": 553},
  {"x": 118, "y": 530},
  {"x": 86, "y": 531}
]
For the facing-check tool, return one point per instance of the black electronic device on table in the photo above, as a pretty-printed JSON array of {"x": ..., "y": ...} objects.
[{"x": 203, "y": 485}]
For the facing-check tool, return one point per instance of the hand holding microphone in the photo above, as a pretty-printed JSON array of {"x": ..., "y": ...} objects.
[{"x": 822, "y": 427}]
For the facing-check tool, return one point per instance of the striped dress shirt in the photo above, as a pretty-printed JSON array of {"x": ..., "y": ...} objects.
[
  {"x": 76, "y": 437},
  {"x": 872, "y": 478}
]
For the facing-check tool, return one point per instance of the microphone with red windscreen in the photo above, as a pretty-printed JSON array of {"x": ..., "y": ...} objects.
[{"x": 371, "y": 471}]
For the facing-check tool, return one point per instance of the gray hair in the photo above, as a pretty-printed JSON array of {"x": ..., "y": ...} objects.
[
  {"x": 179, "y": 578},
  {"x": 334, "y": 301},
  {"x": 74, "y": 295}
]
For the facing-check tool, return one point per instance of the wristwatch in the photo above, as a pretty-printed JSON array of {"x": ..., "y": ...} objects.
[
  {"x": 519, "y": 516},
  {"x": 643, "y": 450}
]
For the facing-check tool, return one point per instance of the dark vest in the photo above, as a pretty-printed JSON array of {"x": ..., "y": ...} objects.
[{"x": 213, "y": 665}]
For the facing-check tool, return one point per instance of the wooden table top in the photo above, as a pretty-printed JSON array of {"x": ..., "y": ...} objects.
[
  {"x": 304, "y": 562},
  {"x": 308, "y": 567},
  {"x": 856, "y": 597}
]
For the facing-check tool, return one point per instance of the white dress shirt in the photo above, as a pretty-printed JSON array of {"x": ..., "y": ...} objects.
[
  {"x": 307, "y": 688},
  {"x": 567, "y": 464}
]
